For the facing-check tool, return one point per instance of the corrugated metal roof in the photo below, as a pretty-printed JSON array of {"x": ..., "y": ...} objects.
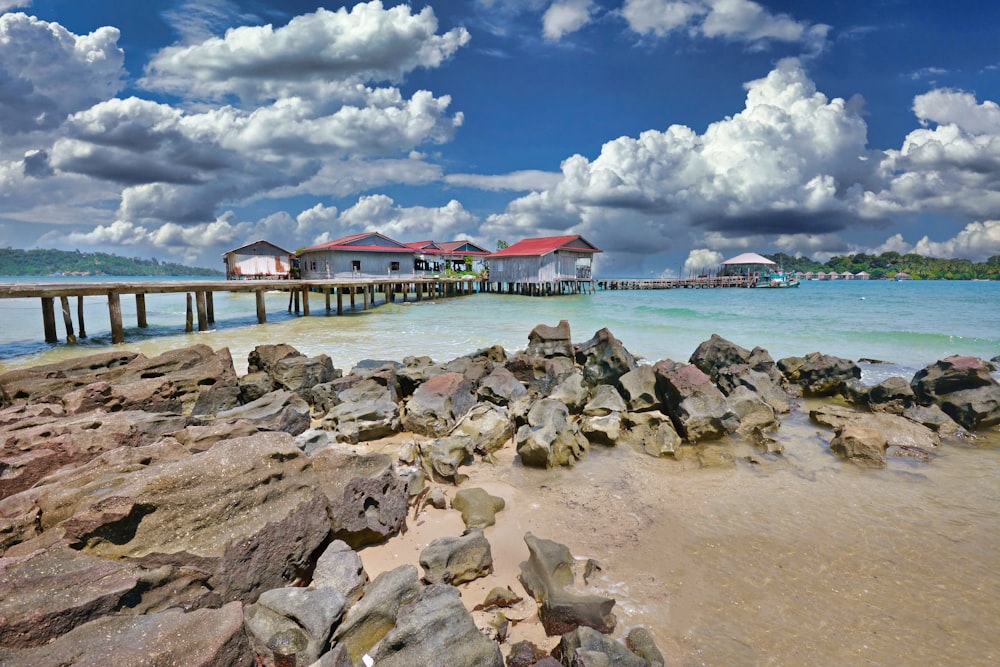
[
  {"x": 537, "y": 247},
  {"x": 349, "y": 243}
]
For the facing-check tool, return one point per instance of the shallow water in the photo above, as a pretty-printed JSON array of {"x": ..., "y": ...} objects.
[{"x": 804, "y": 559}]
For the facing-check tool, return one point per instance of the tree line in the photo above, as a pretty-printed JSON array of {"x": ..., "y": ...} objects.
[
  {"x": 888, "y": 264},
  {"x": 45, "y": 262}
]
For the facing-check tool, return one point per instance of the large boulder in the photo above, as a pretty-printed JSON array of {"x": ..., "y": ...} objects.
[
  {"x": 572, "y": 391},
  {"x": 699, "y": 410},
  {"x": 861, "y": 444},
  {"x": 299, "y": 374},
  {"x": 546, "y": 575},
  {"x": 546, "y": 341},
  {"x": 374, "y": 615},
  {"x": 549, "y": 439},
  {"x": 638, "y": 388},
  {"x": 48, "y": 383},
  {"x": 339, "y": 567},
  {"x": 604, "y": 359},
  {"x": 501, "y": 387},
  {"x": 201, "y": 638},
  {"x": 963, "y": 388},
  {"x": 819, "y": 374},
  {"x": 653, "y": 432},
  {"x": 438, "y": 404},
  {"x": 893, "y": 395},
  {"x": 366, "y": 411},
  {"x": 263, "y": 358},
  {"x": 540, "y": 374},
  {"x": 717, "y": 353},
  {"x": 441, "y": 458},
  {"x": 587, "y": 647},
  {"x": 489, "y": 426},
  {"x": 457, "y": 560},
  {"x": 275, "y": 411},
  {"x": 306, "y": 613},
  {"x": 728, "y": 378}
]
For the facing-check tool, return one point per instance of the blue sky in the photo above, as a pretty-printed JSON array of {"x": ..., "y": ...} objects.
[{"x": 670, "y": 133}]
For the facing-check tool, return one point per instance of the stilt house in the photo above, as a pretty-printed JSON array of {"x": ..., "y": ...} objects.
[
  {"x": 544, "y": 260},
  {"x": 258, "y": 261},
  {"x": 367, "y": 255},
  {"x": 436, "y": 257}
]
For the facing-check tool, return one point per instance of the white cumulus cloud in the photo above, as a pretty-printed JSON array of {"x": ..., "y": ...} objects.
[
  {"x": 566, "y": 16},
  {"x": 701, "y": 258}
]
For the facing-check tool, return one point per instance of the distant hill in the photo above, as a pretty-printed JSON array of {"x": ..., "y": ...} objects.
[
  {"x": 888, "y": 264},
  {"x": 42, "y": 262}
]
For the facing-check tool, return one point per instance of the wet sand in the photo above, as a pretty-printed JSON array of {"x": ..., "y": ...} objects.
[{"x": 799, "y": 559}]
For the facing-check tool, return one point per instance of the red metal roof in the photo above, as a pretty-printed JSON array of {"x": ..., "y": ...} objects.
[
  {"x": 348, "y": 243},
  {"x": 544, "y": 245},
  {"x": 445, "y": 248}
]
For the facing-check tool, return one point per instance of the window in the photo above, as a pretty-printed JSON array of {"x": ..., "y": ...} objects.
[
  {"x": 312, "y": 265},
  {"x": 394, "y": 266},
  {"x": 355, "y": 265}
]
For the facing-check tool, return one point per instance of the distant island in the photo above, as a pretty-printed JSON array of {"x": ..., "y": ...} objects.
[
  {"x": 43, "y": 262},
  {"x": 889, "y": 264}
]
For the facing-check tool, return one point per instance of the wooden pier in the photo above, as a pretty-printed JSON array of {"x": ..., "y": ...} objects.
[
  {"x": 200, "y": 302},
  {"x": 698, "y": 282}
]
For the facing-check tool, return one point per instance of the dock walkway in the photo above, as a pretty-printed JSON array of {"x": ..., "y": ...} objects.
[
  {"x": 363, "y": 289},
  {"x": 699, "y": 282}
]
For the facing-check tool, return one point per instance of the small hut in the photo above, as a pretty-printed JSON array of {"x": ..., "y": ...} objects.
[
  {"x": 544, "y": 260},
  {"x": 367, "y": 255},
  {"x": 257, "y": 261}
]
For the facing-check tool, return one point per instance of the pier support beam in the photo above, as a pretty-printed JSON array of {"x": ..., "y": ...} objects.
[
  {"x": 202, "y": 310},
  {"x": 261, "y": 313},
  {"x": 49, "y": 319},
  {"x": 115, "y": 313},
  {"x": 79, "y": 316},
  {"x": 67, "y": 319},
  {"x": 189, "y": 319},
  {"x": 305, "y": 302},
  {"x": 210, "y": 306},
  {"x": 140, "y": 310},
  {"x": 340, "y": 300}
]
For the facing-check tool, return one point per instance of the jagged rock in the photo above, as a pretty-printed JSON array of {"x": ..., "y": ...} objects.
[
  {"x": 457, "y": 560},
  {"x": 963, "y": 388},
  {"x": 717, "y": 353},
  {"x": 501, "y": 387},
  {"x": 371, "y": 510},
  {"x": 653, "y": 432},
  {"x": 639, "y": 641},
  {"x": 383, "y": 372},
  {"x": 438, "y": 404},
  {"x": 897, "y": 431},
  {"x": 546, "y": 341},
  {"x": 604, "y": 359},
  {"x": 275, "y": 411},
  {"x": 935, "y": 419},
  {"x": 586, "y": 647},
  {"x": 52, "y": 591},
  {"x": 217, "y": 400},
  {"x": 374, "y": 615},
  {"x": 202, "y": 638},
  {"x": 545, "y": 575},
  {"x": 540, "y": 374},
  {"x": 366, "y": 411},
  {"x": 893, "y": 395},
  {"x": 314, "y": 440},
  {"x": 478, "y": 507},
  {"x": 263, "y": 358},
  {"x": 431, "y": 626},
  {"x": 549, "y": 439},
  {"x": 572, "y": 391},
  {"x": 606, "y": 400},
  {"x": 339, "y": 567},
  {"x": 489, "y": 426},
  {"x": 48, "y": 383},
  {"x": 413, "y": 372},
  {"x": 863, "y": 445},
  {"x": 201, "y": 438},
  {"x": 309, "y": 612},
  {"x": 819, "y": 374},
  {"x": 729, "y": 378},
  {"x": 441, "y": 457},
  {"x": 699, "y": 410},
  {"x": 760, "y": 360},
  {"x": 299, "y": 374},
  {"x": 525, "y": 654},
  {"x": 254, "y": 385},
  {"x": 752, "y": 410},
  {"x": 604, "y": 430},
  {"x": 638, "y": 389}
]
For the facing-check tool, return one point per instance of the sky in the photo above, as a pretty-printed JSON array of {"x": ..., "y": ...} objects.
[{"x": 671, "y": 134}]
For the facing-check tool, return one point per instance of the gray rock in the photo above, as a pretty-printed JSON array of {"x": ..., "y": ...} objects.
[
  {"x": 254, "y": 385},
  {"x": 300, "y": 374},
  {"x": 862, "y": 445},
  {"x": 572, "y": 391},
  {"x": 717, "y": 353},
  {"x": 896, "y": 431},
  {"x": 478, "y": 507},
  {"x": 374, "y": 615},
  {"x": 276, "y": 411},
  {"x": 654, "y": 432},
  {"x": 893, "y": 395},
  {"x": 639, "y": 641},
  {"x": 604, "y": 359},
  {"x": 638, "y": 389},
  {"x": 264, "y": 357},
  {"x": 457, "y": 560},
  {"x": 438, "y": 404},
  {"x": 367, "y": 411},
  {"x": 604, "y": 430},
  {"x": 441, "y": 458},
  {"x": 340, "y": 568},
  {"x": 819, "y": 374},
  {"x": 546, "y": 341},
  {"x": 963, "y": 388},
  {"x": 587, "y": 647},
  {"x": 549, "y": 439},
  {"x": 371, "y": 509},
  {"x": 489, "y": 426},
  {"x": 309, "y": 612},
  {"x": 540, "y": 374},
  {"x": 605, "y": 401},
  {"x": 502, "y": 388},
  {"x": 698, "y": 409},
  {"x": 729, "y": 378},
  {"x": 752, "y": 410}
]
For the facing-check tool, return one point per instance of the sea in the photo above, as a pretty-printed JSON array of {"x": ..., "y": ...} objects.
[{"x": 798, "y": 559}]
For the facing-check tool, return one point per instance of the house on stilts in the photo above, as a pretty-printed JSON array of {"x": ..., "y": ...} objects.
[
  {"x": 544, "y": 266},
  {"x": 260, "y": 260}
]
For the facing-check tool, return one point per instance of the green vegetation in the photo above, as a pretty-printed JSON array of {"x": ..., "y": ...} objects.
[
  {"x": 888, "y": 264},
  {"x": 40, "y": 262}
]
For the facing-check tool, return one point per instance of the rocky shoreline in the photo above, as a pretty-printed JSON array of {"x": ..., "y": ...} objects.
[{"x": 165, "y": 510}]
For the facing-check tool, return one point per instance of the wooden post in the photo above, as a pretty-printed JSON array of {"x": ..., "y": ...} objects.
[
  {"x": 261, "y": 314},
  {"x": 189, "y": 320},
  {"x": 210, "y": 305},
  {"x": 326, "y": 293},
  {"x": 353, "y": 289},
  {"x": 115, "y": 312},
  {"x": 67, "y": 319},
  {"x": 140, "y": 310},
  {"x": 417, "y": 289},
  {"x": 340, "y": 300},
  {"x": 202, "y": 310},
  {"x": 49, "y": 319},
  {"x": 366, "y": 293},
  {"x": 79, "y": 315},
  {"x": 305, "y": 302}
]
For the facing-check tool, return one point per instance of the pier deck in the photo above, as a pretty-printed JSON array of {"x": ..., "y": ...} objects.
[
  {"x": 363, "y": 289},
  {"x": 699, "y": 282}
]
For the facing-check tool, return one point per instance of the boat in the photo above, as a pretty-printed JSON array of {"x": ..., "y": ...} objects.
[{"x": 760, "y": 271}]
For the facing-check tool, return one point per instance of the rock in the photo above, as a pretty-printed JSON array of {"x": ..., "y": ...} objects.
[
  {"x": 540, "y": 374},
  {"x": 339, "y": 567},
  {"x": 438, "y": 404},
  {"x": 548, "y": 342},
  {"x": 717, "y": 353},
  {"x": 308, "y": 612},
  {"x": 606, "y": 400},
  {"x": 441, "y": 458},
  {"x": 478, "y": 507},
  {"x": 371, "y": 509},
  {"x": 502, "y": 388},
  {"x": 489, "y": 426},
  {"x": 893, "y": 395},
  {"x": 201, "y": 438},
  {"x": 435, "y": 627},
  {"x": 572, "y": 391},
  {"x": 896, "y": 431},
  {"x": 759, "y": 382},
  {"x": 525, "y": 654},
  {"x": 549, "y": 439},
  {"x": 314, "y": 440},
  {"x": 457, "y": 560},
  {"x": 638, "y": 389},
  {"x": 299, "y": 374},
  {"x": 48, "y": 383},
  {"x": 761, "y": 361},
  {"x": 639, "y": 641},
  {"x": 202, "y": 638},
  {"x": 935, "y": 419},
  {"x": 586, "y": 647},
  {"x": 263, "y": 358},
  {"x": 654, "y": 432},
  {"x": 714, "y": 456},
  {"x": 963, "y": 388},
  {"x": 819, "y": 374},
  {"x": 367, "y": 411},
  {"x": 218, "y": 400},
  {"x": 254, "y": 385},
  {"x": 545, "y": 575},
  {"x": 50, "y": 592},
  {"x": 697, "y": 407},
  {"x": 862, "y": 445},
  {"x": 604, "y": 430},
  {"x": 383, "y": 372},
  {"x": 752, "y": 410},
  {"x": 374, "y": 615},
  {"x": 276, "y": 411},
  {"x": 604, "y": 359}
]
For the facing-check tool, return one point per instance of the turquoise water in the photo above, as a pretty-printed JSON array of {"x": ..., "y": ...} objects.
[{"x": 909, "y": 324}]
